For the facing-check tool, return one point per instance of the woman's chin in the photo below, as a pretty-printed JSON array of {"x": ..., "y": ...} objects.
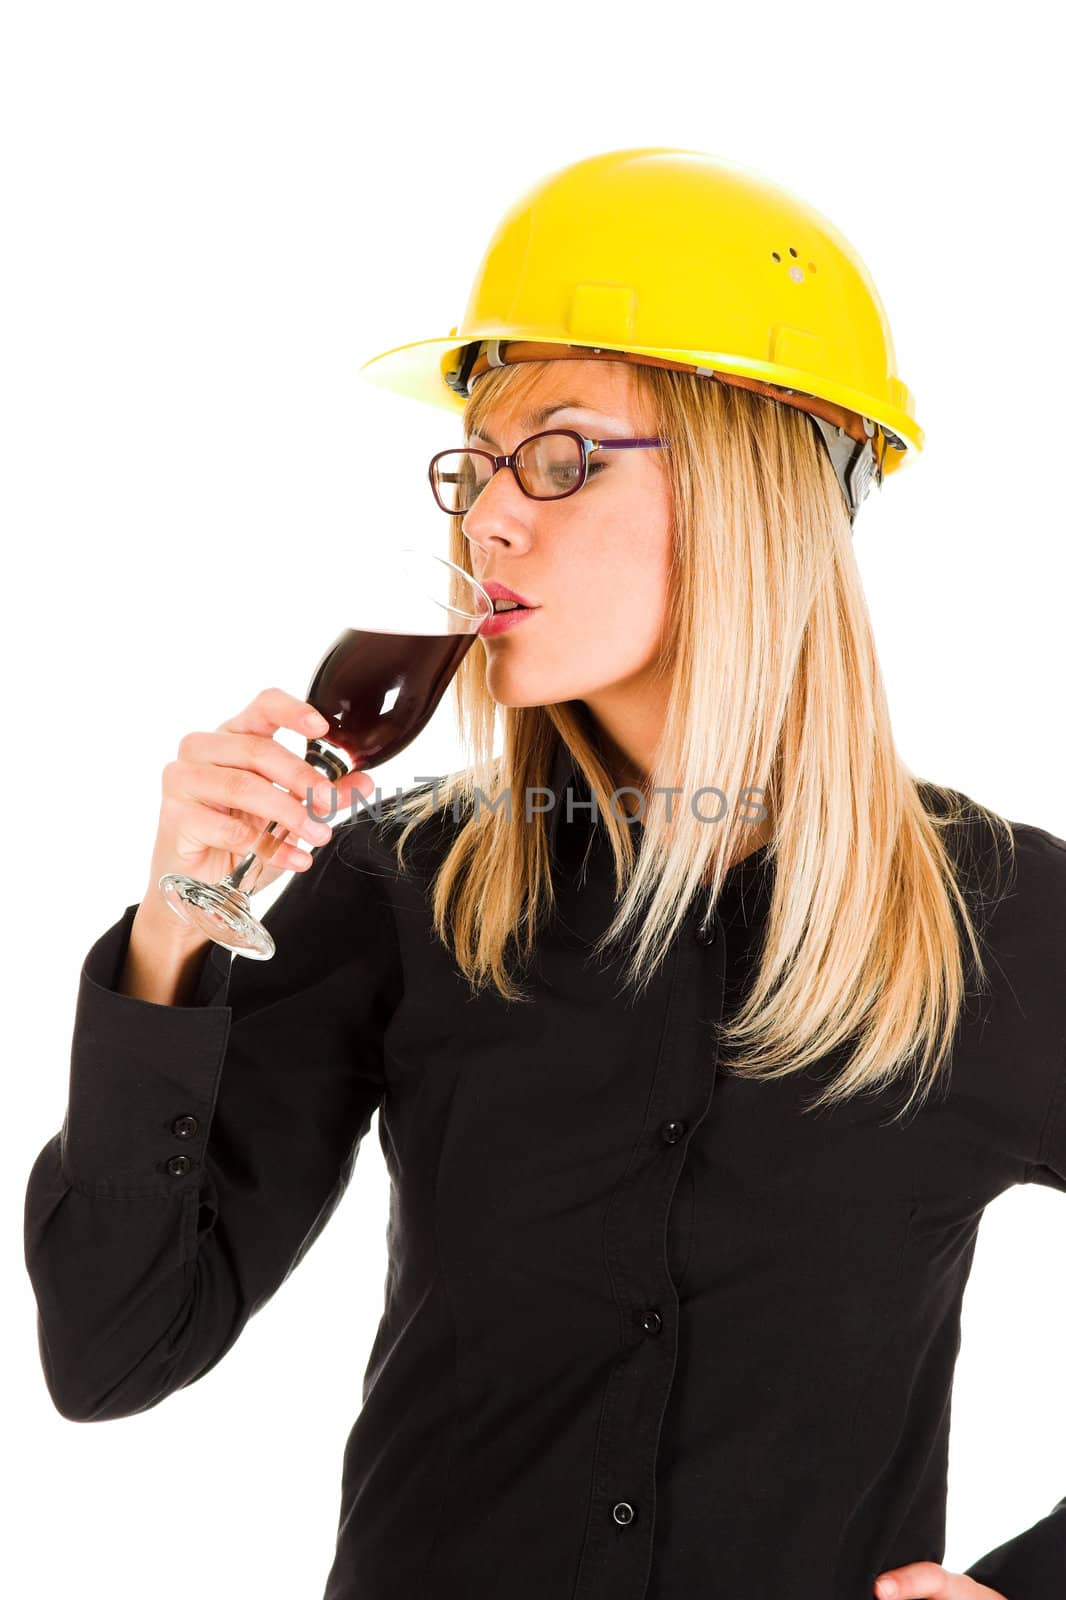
[
  {"x": 516, "y": 702},
  {"x": 513, "y": 688}
]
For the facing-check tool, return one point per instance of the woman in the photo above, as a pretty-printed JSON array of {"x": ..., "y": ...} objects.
[{"x": 690, "y": 1126}]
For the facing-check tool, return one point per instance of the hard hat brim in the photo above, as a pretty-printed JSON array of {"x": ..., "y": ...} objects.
[{"x": 417, "y": 371}]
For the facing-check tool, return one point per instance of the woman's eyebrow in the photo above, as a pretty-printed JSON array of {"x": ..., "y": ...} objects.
[{"x": 534, "y": 419}]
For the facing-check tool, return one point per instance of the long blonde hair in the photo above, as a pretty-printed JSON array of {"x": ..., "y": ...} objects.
[{"x": 774, "y": 686}]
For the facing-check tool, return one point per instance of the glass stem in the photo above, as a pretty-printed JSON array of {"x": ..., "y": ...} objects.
[
  {"x": 247, "y": 872},
  {"x": 267, "y": 845}
]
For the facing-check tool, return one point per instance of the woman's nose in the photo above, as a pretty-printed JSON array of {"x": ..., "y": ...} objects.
[{"x": 501, "y": 511}]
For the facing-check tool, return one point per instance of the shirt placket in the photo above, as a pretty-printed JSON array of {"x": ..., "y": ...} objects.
[{"x": 617, "y": 1552}]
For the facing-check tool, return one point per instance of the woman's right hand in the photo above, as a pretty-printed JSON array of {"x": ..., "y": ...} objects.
[{"x": 219, "y": 794}]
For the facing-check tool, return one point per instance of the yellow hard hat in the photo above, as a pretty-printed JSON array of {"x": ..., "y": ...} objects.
[{"x": 677, "y": 258}]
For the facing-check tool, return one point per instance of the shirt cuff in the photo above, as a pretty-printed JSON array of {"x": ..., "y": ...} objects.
[{"x": 143, "y": 1077}]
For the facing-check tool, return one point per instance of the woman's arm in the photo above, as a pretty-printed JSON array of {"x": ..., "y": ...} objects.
[
  {"x": 1032, "y": 1566},
  {"x": 163, "y": 962},
  {"x": 205, "y": 1145}
]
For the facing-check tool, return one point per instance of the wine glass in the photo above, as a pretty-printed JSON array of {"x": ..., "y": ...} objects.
[{"x": 377, "y": 685}]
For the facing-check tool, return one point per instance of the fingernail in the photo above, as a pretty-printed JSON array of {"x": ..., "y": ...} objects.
[{"x": 886, "y": 1588}]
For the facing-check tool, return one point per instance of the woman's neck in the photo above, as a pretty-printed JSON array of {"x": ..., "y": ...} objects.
[{"x": 629, "y": 757}]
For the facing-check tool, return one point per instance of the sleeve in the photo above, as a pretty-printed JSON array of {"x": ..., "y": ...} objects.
[
  {"x": 205, "y": 1147},
  {"x": 1032, "y": 1566}
]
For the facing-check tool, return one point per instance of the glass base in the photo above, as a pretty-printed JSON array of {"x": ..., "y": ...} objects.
[{"x": 222, "y": 914}]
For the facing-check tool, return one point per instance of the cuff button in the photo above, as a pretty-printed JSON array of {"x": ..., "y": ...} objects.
[
  {"x": 177, "y": 1166},
  {"x": 184, "y": 1127}
]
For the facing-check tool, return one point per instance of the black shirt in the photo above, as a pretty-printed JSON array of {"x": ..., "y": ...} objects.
[{"x": 648, "y": 1332}]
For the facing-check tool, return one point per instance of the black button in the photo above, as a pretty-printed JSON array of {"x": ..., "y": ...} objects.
[
  {"x": 708, "y": 934},
  {"x": 672, "y": 1132},
  {"x": 623, "y": 1512},
  {"x": 178, "y": 1165},
  {"x": 650, "y": 1321},
  {"x": 184, "y": 1127}
]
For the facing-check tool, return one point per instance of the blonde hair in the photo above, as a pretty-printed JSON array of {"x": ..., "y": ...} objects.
[{"x": 774, "y": 685}]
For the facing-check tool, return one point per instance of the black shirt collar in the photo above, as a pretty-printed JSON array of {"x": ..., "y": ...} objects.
[
  {"x": 747, "y": 881},
  {"x": 566, "y": 781}
]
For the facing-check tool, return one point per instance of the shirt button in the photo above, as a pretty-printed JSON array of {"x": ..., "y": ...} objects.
[
  {"x": 184, "y": 1127},
  {"x": 672, "y": 1131},
  {"x": 177, "y": 1165},
  {"x": 650, "y": 1321},
  {"x": 623, "y": 1512},
  {"x": 707, "y": 935}
]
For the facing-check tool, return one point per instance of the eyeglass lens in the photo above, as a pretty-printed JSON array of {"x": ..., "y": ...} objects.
[{"x": 548, "y": 466}]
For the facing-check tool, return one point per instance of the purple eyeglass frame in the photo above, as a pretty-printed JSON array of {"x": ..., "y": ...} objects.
[{"x": 587, "y": 448}]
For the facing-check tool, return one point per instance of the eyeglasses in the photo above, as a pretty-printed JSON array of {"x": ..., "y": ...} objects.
[{"x": 547, "y": 466}]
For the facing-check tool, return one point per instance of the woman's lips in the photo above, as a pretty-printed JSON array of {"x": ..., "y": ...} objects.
[{"x": 503, "y": 620}]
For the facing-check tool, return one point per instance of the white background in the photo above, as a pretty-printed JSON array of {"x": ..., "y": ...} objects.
[{"x": 212, "y": 214}]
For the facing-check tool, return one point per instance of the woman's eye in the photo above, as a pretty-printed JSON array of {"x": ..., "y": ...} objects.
[{"x": 596, "y": 466}]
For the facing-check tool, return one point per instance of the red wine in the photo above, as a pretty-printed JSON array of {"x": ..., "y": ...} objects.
[{"x": 377, "y": 691}]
